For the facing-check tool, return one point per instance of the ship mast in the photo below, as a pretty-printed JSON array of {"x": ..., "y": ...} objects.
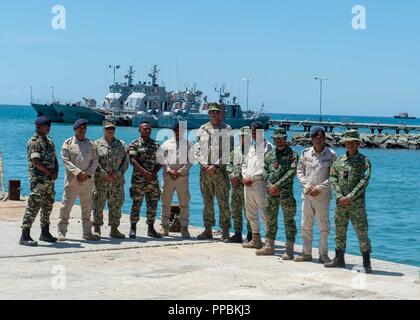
[
  {"x": 154, "y": 74},
  {"x": 129, "y": 75}
]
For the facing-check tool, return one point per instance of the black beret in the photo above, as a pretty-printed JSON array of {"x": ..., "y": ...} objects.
[
  {"x": 42, "y": 120},
  {"x": 316, "y": 130},
  {"x": 257, "y": 125},
  {"x": 79, "y": 123}
]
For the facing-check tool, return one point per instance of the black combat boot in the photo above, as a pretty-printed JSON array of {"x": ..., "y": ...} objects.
[
  {"x": 46, "y": 235},
  {"x": 236, "y": 238},
  {"x": 366, "y": 262},
  {"x": 338, "y": 261},
  {"x": 151, "y": 232},
  {"x": 26, "y": 239},
  {"x": 133, "y": 231},
  {"x": 248, "y": 237}
]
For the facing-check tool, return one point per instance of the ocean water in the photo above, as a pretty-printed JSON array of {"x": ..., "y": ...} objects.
[{"x": 393, "y": 195}]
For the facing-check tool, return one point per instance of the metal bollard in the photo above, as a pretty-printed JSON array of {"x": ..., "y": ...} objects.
[
  {"x": 174, "y": 220},
  {"x": 14, "y": 190}
]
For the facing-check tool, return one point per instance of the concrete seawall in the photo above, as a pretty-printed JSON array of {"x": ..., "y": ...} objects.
[{"x": 173, "y": 268}]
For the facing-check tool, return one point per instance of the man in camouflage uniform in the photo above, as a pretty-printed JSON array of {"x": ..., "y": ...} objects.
[
  {"x": 109, "y": 180},
  {"x": 80, "y": 160},
  {"x": 144, "y": 181},
  {"x": 280, "y": 169},
  {"x": 349, "y": 178},
  {"x": 237, "y": 200},
  {"x": 213, "y": 147},
  {"x": 43, "y": 171}
]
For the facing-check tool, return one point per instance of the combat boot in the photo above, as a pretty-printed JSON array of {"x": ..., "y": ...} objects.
[
  {"x": 254, "y": 243},
  {"x": 185, "y": 233},
  {"x": 267, "y": 250},
  {"x": 324, "y": 259},
  {"x": 366, "y": 262},
  {"x": 115, "y": 233},
  {"x": 151, "y": 232},
  {"x": 206, "y": 234},
  {"x": 288, "y": 255},
  {"x": 97, "y": 229},
  {"x": 90, "y": 237},
  {"x": 26, "y": 239},
  {"x": 61, "y": 236},
  {"x": 133, "y": 231},
  {"x": 225, "y": 234},
  {"x": 303, "y": 257},
  {"x": 164, "y": 231},
  {"x": 236, "y": 238},
  {"x": 46, "y": 235},
  {"x": 248, "y": 237},
  {"x": 338, "y": 261}
]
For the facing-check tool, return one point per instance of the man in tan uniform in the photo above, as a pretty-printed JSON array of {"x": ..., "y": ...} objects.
[
  {"x": 80, "y": 161},
  {"x": 176, "y": 155},
  {"x": 313, "y": 172}
]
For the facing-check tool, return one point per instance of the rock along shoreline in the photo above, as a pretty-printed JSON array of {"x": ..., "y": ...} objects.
[{"x": 381, "y": 141}]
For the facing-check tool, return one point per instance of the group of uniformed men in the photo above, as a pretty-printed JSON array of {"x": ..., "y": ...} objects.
[{"x": 259, "y": 173}]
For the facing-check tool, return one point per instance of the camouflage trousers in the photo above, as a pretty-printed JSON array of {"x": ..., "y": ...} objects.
[
  {"x": 288, "y": 206},
  {"x": 41, "y": 197},
  {"x": 141, "y": 188},
  {"x": 217, "y": 185},
  {"x": 358, "y": 217},
  {"x": 237, "y": 204},
  {"x": 113, "y": 192}
]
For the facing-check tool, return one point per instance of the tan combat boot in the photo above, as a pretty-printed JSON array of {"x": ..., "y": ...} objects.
[
  {"x": 164, "y": 231},
  {"x": 185, "y": 233},
  {"x": 255, "y": 242},
  {"x": 91, "y": 237},
  {"x": 206, "y": 234},
  {"x": 303, "y": 257},
  {"x": 97, "y": 229},
  {"x": 61, "y": 237},
  {"x": 288, "y": 255},
  {"x": 267, "y": 250},
  {"x": 225, "y": 234},
  {"x": 114, "y": 233}
]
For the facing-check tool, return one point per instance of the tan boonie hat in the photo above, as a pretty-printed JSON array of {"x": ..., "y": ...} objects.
[
  {"x": 213, "y": 107},
  {"x": 107, "y": 123},
  {"x": 279, "y": 133},
  {"x": 351, "y": 135}
]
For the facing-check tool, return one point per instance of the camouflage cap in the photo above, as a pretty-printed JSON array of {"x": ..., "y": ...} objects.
[
  {"x": 107, "y": 123},
  {"x": 213, "y": 107},
  {"x": 351, "y": 135},
  {"x": 279, "y": 133},
  {"x": 244, "y": 131}
]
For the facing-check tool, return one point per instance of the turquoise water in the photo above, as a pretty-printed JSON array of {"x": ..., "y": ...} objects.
[{"x": 393, "y": 197}]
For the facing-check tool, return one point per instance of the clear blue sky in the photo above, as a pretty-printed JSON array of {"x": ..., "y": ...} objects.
[{"x": 282, "y": 44}]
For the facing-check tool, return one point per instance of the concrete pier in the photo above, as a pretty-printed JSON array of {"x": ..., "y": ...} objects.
[{"x": 173, "y": 268}]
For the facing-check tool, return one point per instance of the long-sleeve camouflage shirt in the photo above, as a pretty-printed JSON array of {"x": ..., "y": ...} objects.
[
  {"x": 350, "y": 176},
  {"x": 41, "y": 148},
  {"x": 234, "y": 167},
  {"x": 280, "y": 170},
  {"x": 112, "y": 158},
  {"x": 145, "y": 152}
]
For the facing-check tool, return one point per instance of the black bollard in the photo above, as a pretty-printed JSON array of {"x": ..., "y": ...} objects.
[{"x": 14, "y": 190}]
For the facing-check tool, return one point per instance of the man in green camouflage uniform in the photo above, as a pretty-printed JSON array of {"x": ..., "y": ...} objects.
[
  {"x": 43, "y": 171},
  {"x": 109, "y": 180},
  {"x": 280, "y": 167},
  {"x": 213, "y": 147},
  {"x": 144, "y": 181},
  {"x": 349, "y": 178},
  {"x": 237, "y": 200}
]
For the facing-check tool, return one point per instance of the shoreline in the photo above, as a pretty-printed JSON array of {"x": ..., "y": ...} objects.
[{"x": 174, "y": 268}]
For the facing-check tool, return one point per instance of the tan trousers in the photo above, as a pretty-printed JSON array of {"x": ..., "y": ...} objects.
[
  {"x": 181, "y": 186},
  {"x": 255, "y": 203},
  {"x": 318, "y": 209},
  {"x": 71, "y": 193}
]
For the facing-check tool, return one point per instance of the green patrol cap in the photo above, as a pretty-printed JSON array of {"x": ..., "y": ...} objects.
[
  {"x": 213, "y": 106},
  {"x": 107, "y": 123},
  {"x": 351, "y": 135},
  {"x": 244, "y": 131},
  {"x": 279, "y": 133}
]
